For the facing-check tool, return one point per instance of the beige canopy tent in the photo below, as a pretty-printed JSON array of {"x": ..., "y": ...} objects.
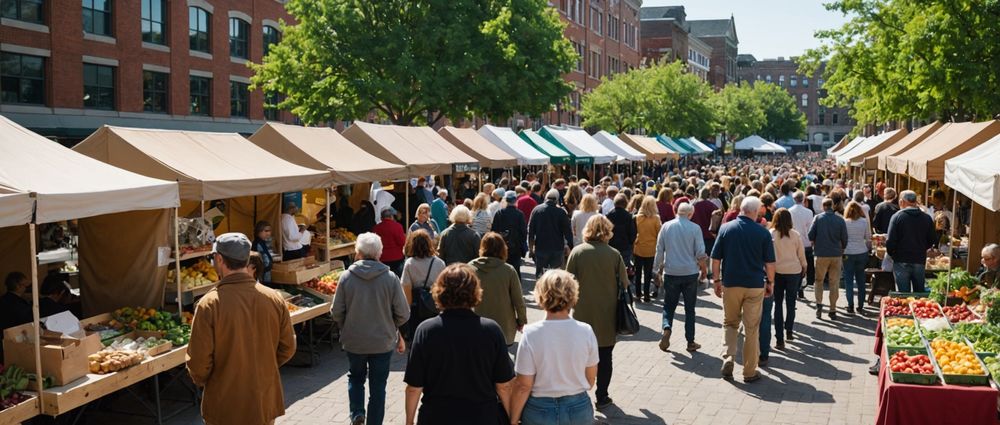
[
  {"x": 976, "y": 175},
  {"x": 422, "y": 150},
  {"x": 878, "y": 160},
  {"x": 925, "y": 161},
  {"x": 15, "y": 208},
  {"x": 470, "y": 142},
  {"x": 649, "y": 146},
  {"x": 876, "y": 142},
  {"x": 323, "y": 148}
]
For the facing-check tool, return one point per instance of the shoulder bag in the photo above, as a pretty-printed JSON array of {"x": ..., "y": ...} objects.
[
  {"x": 422, "y": 307},
  {"x": 626, "y": 322}
]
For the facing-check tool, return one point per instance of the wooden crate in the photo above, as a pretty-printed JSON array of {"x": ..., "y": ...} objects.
[
  {"x": 20, "y": 413},
  {"x": 298, "y": 277}
]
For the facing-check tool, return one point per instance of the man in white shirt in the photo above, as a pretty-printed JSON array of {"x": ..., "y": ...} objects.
[
  {"x": 609, "y": 204},
  {"x": 291, "y": 235},
  {"x": 802, "y": 218},
  {"x": 495, "y": 206}
]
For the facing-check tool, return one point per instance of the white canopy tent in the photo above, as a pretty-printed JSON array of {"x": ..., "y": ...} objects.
[
  {"x": 846, "y": 155},
  {"x": 975, "y": 174},
  {"x": 619, "y": 147},
  {"x": 843, "y": 149},
  {"x": 581, "y": 144},
  {"x": 758, "y": 144},
  {"x": 507, "y": 140},
  {"x": 697, "y": 144}
]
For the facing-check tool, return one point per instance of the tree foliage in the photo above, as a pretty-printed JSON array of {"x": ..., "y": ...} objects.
[
  {"x": 738, "y": 111},
  {"x": 615, "y": 104},
  {"x": 782, "y": 119},
  {"x": 905, "y": 59},
  {"x": 416, "y": 61}
]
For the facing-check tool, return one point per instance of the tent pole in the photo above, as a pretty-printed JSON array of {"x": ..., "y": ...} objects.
[
  {"x": 177, "y": 259},
  {"x": 36, "y": 320},
  {"x": 326, "y": 247},
  {"x": 406, "y": 226}
]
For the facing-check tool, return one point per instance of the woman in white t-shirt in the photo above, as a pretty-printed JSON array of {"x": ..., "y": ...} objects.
[
  {"x": 588, "y": 208},
  {"x": 556, "y": 361}
]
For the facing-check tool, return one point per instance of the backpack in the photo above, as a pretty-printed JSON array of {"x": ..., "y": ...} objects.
[{"x": 422, "y": 307}]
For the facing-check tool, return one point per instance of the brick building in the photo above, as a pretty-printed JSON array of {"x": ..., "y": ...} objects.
[
  {"x": 824, "y": 125},
  {"x": 142, "y": 63},
  {"x": 710, "y": 47}
]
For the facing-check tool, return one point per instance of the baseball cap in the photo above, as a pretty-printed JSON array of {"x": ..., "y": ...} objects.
[
  {"x": 234, "y": 246},
  {"x": 499, "y": 193},
  {"x": 510, "y": 196}
]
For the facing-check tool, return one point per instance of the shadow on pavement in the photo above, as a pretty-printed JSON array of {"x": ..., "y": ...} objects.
[
  {"x": 615, "y": 415},
  {"x": 697, "y": 362}
]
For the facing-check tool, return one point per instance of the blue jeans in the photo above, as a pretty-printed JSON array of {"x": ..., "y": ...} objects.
[
  {"x": 854, "y": 274},
  {"x": 567, "y": 410},
  {"x": 786, "y": 286},
  {"x": 907, "y": 274},
  {"x": 765, "y": 326},
  {"x": 375, "y": 369},
  {"x": 547, "y": 260},
  {"x": 675, "y": 286}
]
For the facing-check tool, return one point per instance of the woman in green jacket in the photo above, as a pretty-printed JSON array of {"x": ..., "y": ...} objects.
[
  {"x": 601, "y": 272},
  {"x": 502, "y": 298}
]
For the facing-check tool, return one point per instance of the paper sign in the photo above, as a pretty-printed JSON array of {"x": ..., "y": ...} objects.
[
  {"x": 64, "y": 322},
  {"x": 163, "y": 256}
]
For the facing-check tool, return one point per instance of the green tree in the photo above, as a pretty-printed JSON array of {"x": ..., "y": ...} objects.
[
  {"x": 911, "y": 59},
  {"x": 782, "y": 119},
  {"x": 738, "y": 110},
  {"x": 417, "y": 61},
  {"x": 616, "y": 104},
  {"x": 677, "y": 102}
]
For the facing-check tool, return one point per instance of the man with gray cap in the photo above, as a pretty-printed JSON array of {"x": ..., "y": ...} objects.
[
  {"x": 549, "y": 234},
  {"x": 496, "y": 205},
  {"x": 911, "y": 236},
  {"x": 241, "y": 334},
  {"x": 509, "y": 222}
]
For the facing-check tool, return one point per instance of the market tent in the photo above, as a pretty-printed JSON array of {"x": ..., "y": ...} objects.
[
  {"x": 507, "y": 140},
  {"x": 925, "y": 161},
  {"x": 770, "y": 147},
  {"x": 843, "y": 149},
  {"x": 649, "y": 146},
  {"x": 975, "y": 174},
  {"x": 618, "y": 147},
  {"x": 697, "y": 144},
  {"x": 749, "y": 143},
  {"x": 875, "y": 142},
  {"x": 67, "y": 185},
  {"x": 207, "y": 165},
  {"x": 556, "y": 154},
  {"x": 422, "y": 150},
  {"x": 674, "y": 145},
  {"x": 877, "y": 160},
  {"x": 578, "y": 143},
  {"x": 470, "y": 142},
  {"x": 15, "y": 209},
  {"x": 322, "y": 148},
  {"x": 843, "y": 141}
]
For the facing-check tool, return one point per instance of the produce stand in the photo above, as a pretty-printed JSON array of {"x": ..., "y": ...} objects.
[{"x": 22, "y": 412}]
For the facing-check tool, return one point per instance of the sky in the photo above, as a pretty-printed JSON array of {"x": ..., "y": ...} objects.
[{"x": 765, "y": 28}]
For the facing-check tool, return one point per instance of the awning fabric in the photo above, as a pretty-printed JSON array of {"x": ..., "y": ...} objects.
[
  {"x": 925, "y": 161},
  {"x": 322, "y": 148},
  {"x": 975, "y": 174},
  {"x": 208, "y": 166},
  {"x": 649, "y": 146},
  {"x": 578, "y": 143},
  {"x": 877, "y": 160},
  {"x": 697, "y": 144},
  {"x": 875, "y": 143},
  {"x": 556, "y": 154},
  {"x": 843, "y": 141},
  {"x": 619, "y": 147},
  {"x": 749, "y": 143},
  {"x": 507, "y": 140},
  {"x": 421, "y": 149},
  {"x": 68, "y": 185},
  {"x": 469, "y": 141},
  {"x": 15, "y": 209},
  {"x": 854, "y": 142},
  {"x": 674, "y": 145}
]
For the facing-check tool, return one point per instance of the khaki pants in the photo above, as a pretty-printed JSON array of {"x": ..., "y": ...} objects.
[
  {"x": 828, "y": 267},
  {"x": 742, "y": 304}
]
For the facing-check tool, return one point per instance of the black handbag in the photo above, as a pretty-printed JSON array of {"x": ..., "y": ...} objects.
[
  {"x": 626, "y": 322},
  {"x": 422, "y": 307}
]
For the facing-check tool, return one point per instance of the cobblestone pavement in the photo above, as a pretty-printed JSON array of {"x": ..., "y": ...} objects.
[{"x": 821, "y": 378}]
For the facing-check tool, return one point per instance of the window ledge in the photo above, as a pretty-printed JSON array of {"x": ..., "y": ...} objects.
[
  {"x": 200, "y": 54},
  {"x": 154, "y": 46},
  {"x": 14, "y": 23},
  {"x": 99, "y": 38},
  {"x": 240, "y": 61}
]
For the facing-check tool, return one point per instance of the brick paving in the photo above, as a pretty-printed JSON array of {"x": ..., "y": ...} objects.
[{"x": 821, "y": 378}]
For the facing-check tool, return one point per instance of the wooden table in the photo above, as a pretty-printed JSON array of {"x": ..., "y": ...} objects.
[
  {"x": 307, "y": 314},
  {"x": 20, "y": 413}
]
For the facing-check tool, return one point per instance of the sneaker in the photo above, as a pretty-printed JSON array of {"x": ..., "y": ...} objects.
[
  {"x": 819, "y": 311},
  {"x": 727, "y": 369},
  {"x": 656, "y": 294},
  {"x": 789, "y": 337},
  {"x": 693, "y": 346},
  {"x": 607, "y": 401},
  {"x": 360, "y": 420},
  {"x": 665, "y": 341},
  {"x": 802, "y": 295},
  {"x": 780, "y": 345},
  {"x": 762, "y": 362},
  {"x": 645, "y": 299},
  {"x": 748, "y": 379},
  {"x": 833, "y": 314},
  {"x": 850, "y": 309},
  {"x": 875, "y": 367}
]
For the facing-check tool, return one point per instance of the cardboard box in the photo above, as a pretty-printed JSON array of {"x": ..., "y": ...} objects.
[
  {"x": 64, "y": 357},
  {"x": 297, "y": 277},
  {"x": 292, "y": 265}
]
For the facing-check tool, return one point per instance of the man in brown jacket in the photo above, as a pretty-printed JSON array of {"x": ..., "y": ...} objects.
[{"x": 241, "y": 334}]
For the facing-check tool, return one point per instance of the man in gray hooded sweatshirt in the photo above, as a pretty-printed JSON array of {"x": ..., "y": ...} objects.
[{"x": 369, "y": 307}]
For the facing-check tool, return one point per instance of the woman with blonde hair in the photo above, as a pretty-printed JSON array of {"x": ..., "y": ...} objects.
[
  {"x": 634, "y": 203},
  {"x": 556, "y": 360},
  {"x": 425, "y": 222},
  {"x": 647, "y": 224},
  {"x": 589, "y": 207},
  {"x": 789, "y": 267},
  {"x": 502, "y": 297},
  {"x": 481, "y": 218},
  {"x": 571, "y": 201},
  {"x": 601, "y": 272},
  {"x": 459, "y": 243}
]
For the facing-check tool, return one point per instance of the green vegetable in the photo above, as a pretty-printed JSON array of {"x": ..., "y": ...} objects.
[
  {"x": 946, "y": 334},
  {"x": 903, "y": 336}
]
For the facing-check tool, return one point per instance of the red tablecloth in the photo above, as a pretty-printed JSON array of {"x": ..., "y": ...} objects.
[{"x": 905, "y": 404}]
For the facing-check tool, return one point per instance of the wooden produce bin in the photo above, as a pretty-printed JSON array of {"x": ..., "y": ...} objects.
[
  {"x": 64, "y": 358},
  {"x": 20, "y": 413},
  {"x": 297, "y": 272},
  {"x": 327, "y": 253}
]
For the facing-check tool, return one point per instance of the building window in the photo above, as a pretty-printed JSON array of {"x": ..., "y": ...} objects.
[
  {"x": 805, "y": 100},
  {"x": 97, "y": 17},
  {"x": 98, "y": 86},
  {"x": 580, "y": 55},
  {"x": 239, "y": 99},
  {"x": 595, "y": 19},
  {"x": 239, "y": 36},
  {"x": 836, "y": 118},
  {"x": 201, "y": 96},
  {"x": 271, "y": 112},
  {"x": 819, "y": 83},
  {"x": 199, "y": 28},
  {"x": 22, "y": 79},
  {"x": 23, "y": 10},
  {"x": 613, "y": 27},
  {"x": 154, "y": 91},
  {"x": 595, "y": 65},
  {"x": 821, "y": 116},
  {"x": 805, "y": 82},
  {"x": 154, "y": 18},
  {"x": 768, "y": 78},
  {"x": 271, "y": 36},
  {"x": 793, "y": 81},
  {"x": 781, "y": 81}
]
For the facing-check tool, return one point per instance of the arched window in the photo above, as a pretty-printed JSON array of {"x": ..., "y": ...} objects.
[
  {"x": 199, "y": 29},
  {"x": 805, "y": 99},
  {"x": 767, "y": 78},
  {"x": 793, "y": 81},
  {"x": 781, "y": 81},
  {"x": 271, "y": 36},
  {"x": 239, "y": 38}
]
